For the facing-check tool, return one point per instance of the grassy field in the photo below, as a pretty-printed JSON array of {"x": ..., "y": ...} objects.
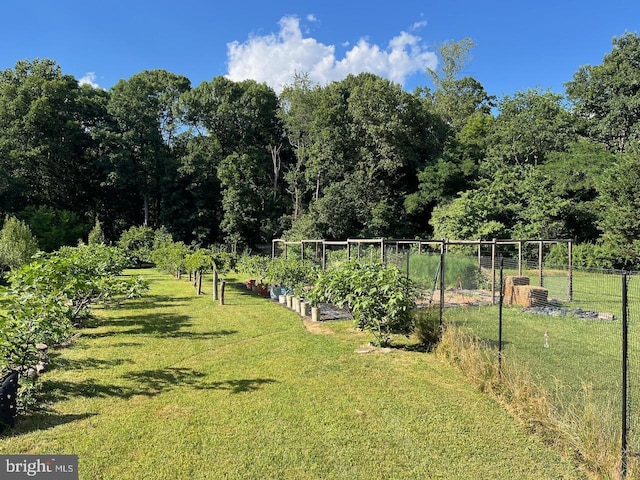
[{"x": 175, "y": 387}]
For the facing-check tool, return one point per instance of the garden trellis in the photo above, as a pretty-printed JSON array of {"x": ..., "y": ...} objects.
[{"x": 520, "y": 255}]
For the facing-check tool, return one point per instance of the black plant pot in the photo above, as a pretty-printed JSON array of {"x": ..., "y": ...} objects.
[{"x": 8, "y": 394}]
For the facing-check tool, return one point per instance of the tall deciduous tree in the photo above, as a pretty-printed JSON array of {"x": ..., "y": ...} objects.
[
  {"x": 145, "y": 108},
  {"x": 529, "y": 126},
  {"x": 607, "y": 96},
  {"x": 44, "y": 145},
  {"x": 242, "y": 118}
]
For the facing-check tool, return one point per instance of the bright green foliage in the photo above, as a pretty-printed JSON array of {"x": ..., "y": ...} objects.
[
  {"x": 607, "y": 96},
  {"x": 257, "y": 266},
  {"x": 51, "y": 294},
  {"x": 170, "y": 257},
  {"x": 31, "y": 318},
  {"x": 137, "y": 243},
  {"x": 381, "y": 299},
  {"x": 84, "y": 275},
  {"x": 200, "y": 259},
  {"x": 17, "y": 244},
  {"x": 292, "y": 273},
  {"x": 96, "y": 235},
  {"x": 54, "y": 228},
  {"x": 620, "y": 200}
]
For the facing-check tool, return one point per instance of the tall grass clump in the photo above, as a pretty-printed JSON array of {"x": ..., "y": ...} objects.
[
  {"x": 427, "y": 326},
  {"x": 459, "y": 272},
  {"x": 577, "y": 424}
]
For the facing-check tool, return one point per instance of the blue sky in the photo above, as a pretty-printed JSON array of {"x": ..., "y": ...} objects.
[{"x": 520, "y": 45}]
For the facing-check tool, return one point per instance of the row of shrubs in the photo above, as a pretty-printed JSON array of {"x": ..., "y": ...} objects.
[{"x": 47, "y": 296}]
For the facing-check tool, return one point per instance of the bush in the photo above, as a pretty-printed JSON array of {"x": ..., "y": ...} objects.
[
  {"x": 170, "y": 257},
  {"x": 83, "y": 275},
  {"x": 427, "y": 326},
  {"x": 381, "y": 299},
  {"x": 137, "y": 243},
  {"x": 17, "y": 244},
  {"x": 54, "y": 228},
  {"x": 293, "y": 273},
  {"x": 96, "y": 235},
  {"x": 585, "y": 255}
]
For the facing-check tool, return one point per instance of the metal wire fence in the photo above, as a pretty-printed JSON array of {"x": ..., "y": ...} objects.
[
  {"x": 574, "y": 334},
  {"x": 576, "y": 338}
]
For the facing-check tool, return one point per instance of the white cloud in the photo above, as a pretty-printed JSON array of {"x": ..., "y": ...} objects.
[
  {"x": 418, "y": 25},
  {"x": 89, "y": 79},
  {"x": 275, "y": 58}
]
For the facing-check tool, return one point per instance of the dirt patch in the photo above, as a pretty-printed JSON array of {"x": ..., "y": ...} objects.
[
  {"x": 458, "y": 297},
  {"x": 317, "y": 328},
  {"x": 372, "y": 349}
]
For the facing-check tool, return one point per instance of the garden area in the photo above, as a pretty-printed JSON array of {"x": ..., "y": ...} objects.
[
  {"x": 275, "y": 367},
  {"x": 173, "y": 385}
]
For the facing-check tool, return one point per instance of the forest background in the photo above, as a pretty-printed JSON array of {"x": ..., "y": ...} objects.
[{"x": 236, "y": 163}]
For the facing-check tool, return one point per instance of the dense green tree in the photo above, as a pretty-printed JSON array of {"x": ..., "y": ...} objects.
[
  {"x": 17, "y": 244},
  {"x": 620, "y": 203},
  {"x": 529, "y": 126},
  {"x": 457, "y": 98},
  {"x": 44, "y": 142},
  {"x": 607, "y": 96},
  {"x": 242, "y": 117},
  {"x": 146, "y": 110}
]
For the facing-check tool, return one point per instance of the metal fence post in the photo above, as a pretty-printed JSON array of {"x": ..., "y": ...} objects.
[
  {"x": 442, "y": 267},
  {"x": 624, "y": 453},
  {"x": 493, "y": 272},
  {"x": 500, "y": 319}
]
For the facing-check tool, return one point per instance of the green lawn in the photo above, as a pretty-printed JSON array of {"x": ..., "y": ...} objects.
[{"x": 174, "y": 386}]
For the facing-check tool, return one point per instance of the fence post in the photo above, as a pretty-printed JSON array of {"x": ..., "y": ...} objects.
[
  {"x": 199, "y": 282},
  {"x": 540, "y": 263},
  {"x": 570, "y": 249},
  {"x": 493, "y": 272},
  {"x": 520, "y": 257},
  {"x": 442, "y": 267},
  {"x": 214, "y": 285},
  {"x": 408, "y": 255},
  {"x": 222, "y": 285},
  {"x": 500, "y": 320},
  {"x": 624, "y": 453},
  {"x": 324, "y": 256}
]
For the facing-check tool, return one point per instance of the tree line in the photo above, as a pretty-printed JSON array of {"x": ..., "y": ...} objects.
[{"x": 237, "y": 163}]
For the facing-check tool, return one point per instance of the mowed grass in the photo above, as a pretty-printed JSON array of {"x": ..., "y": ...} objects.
[{"x": 174, "y": 386}]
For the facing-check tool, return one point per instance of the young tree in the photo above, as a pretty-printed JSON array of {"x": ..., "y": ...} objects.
[{"x": 17, "y": 244}]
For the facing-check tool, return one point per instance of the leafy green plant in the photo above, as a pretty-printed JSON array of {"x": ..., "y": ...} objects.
[
  {"x": 292, "y": 273},
  {"x": 54, "y": 228},
  {"x": 137, "y": 243},
  {"x": 96, "y": 235},
  {"x": 381, "y": 299},
  {"x": 17, "y": 244},
  {"x": 427, "y": 326},
  {"x": 170, "y": 257},
  {"x": 84, "y": 275}
]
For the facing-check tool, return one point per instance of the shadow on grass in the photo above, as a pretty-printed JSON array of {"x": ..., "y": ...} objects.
[
  {"x": 157, "y": 324},
  {"x": 237, "y": 386},
  {"x": 58, "y": 361},
  {"x": 42, "y": 420},
  {"x": 147, "y": 383}
]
